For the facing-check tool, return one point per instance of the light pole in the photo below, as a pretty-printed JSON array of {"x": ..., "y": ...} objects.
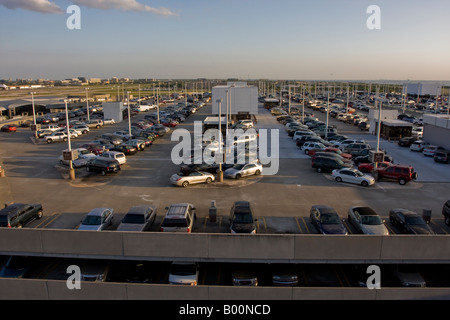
[
  {"x": 71, "y": 170},
  {"x": 87, "y": 104},
  {"x": 34, "y": 116},
  {"x": 129, "y": 113},
  {"x": 219, "y": 101}
]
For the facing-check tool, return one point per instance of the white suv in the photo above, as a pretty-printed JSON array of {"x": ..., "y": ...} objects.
[
  {"x": 179, "y": 218},
  {"x": 184, "y": 273}
]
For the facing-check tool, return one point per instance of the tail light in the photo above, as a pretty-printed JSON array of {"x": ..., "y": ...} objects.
[
  {"x": 107, "y": 168},
  {"x": 188, "y": 230},
  {"x": 161, "y": 229},
  {"x": 9, "y": 225}
]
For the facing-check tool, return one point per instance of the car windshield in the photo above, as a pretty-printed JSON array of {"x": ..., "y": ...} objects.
[
  {"x": 133, "y": 218},
  {"x": 238, "y": 166},
  {"x": 329, "y": 219},
  {"x": 183, "y": 269},
  {"x": 415, "y": 220},
  {"x": 371, "y": 220},
  {"x": 242, "y": 217},
  {"x": 92, "y": 220}
]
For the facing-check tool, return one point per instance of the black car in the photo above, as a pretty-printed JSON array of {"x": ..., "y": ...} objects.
[
  {"x": 409, "y": 221},
  {"x": 326, "y": 220},
  {"x": 241, "y": 218},
  {"x": 406, "y": 141},
  {"x": 446, "y": 212},
  {"x": 326, "y": 164},
  {"x": 103, "y": 165},
  {"x": 125, "y": 148},
  {"x": 442, "y": 156},
  {"x": 18, "y": 215}
]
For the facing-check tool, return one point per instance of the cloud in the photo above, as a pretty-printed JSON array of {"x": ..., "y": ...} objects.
[
  {"x": 125, "y": 5},
  {"x": 43, "y": 6}
]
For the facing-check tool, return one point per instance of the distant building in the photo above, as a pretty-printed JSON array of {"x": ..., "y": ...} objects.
[
  {"x": 238, "y": 98},
  {"x": 436, "y": 129},
  {"x": 423, "y": 89}
]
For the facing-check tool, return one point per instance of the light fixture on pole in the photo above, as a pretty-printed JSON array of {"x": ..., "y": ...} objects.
[
  {"x": 129, "y": 113},
  {"x": 34, "y": 116},
  {"x": 219, "y": 101},
  {"x": 71, "y": 169},
  {"x": 87, "y": 104}
]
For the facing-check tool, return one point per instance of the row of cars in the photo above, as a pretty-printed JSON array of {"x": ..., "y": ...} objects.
[
  {"x": 347, "y": 159},
  {"x": 439, "y": 154}
]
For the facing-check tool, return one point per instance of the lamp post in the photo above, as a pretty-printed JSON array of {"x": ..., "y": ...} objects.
[
  {"x": 87, "y": 104},
  {"x": 34, "y": 116},
  {"x": 219, "y": 101},
  {"x": 129, "y": 113},
  {"x": 71, "y": 169}
]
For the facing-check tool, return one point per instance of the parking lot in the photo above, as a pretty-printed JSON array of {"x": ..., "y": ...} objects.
[{"x": 281, "y": 202}]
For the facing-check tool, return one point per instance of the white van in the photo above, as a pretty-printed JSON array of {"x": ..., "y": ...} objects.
[{"x": 116, "y": 155}]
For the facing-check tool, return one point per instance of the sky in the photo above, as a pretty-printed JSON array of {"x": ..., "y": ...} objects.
[{"x": 219, "y": 39}]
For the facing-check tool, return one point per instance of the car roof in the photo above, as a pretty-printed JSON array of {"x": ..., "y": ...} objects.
[
  {"x": 324, "y": 209},
  {"x": 138, "y": 209},
  {"x": 365, "y": 211},
  {"x": 12, "y": 208},
  {"x": 98, "y": 211}
]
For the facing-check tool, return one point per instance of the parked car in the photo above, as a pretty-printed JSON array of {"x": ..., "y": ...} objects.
[
  {"x": 245, "y": 276},
  {"x": 406, "y": 141},
  {"x": 204, "y": 167},
  {"x": 328, "y": 164},
  {"x": 369, "y": 167},
  {"x": 18, "y": 215},
  {"x": 355, "y": 148},
  {"x": 326, "y": 220},
  {"x": 409, "y": 276},
  {"x": 138, "y": 218},
  {"x": 57, "y": 136},
  {"x": 82, "y": 127},
  {"x": 114, "y": 155},
  {"x": 418, "y": 145},
  {"x": 284, "y": 275},
  {"x": 194, "y": 177},
  {"x": 429, "y": 151},
  {"x": 442, "y": 156},
  {"x": 92, "y": 147},
  {"x": 126, "y": 149},
  {"x": 242, "y": 218},
  {"x": 352, "y": 175},
  {"x": 16, "y": 267},
  {"x": 367, "y": 221},
  {"x": 83, "y": 156},
  {"x": 179, "y": 218},
  {"x": 409, "y": 222},
  {"x": 9, "y": 128},
  {"x": 97, "y": 219},
  {"x": 446, "y": 212},
  {"x": 307, "y": 146},
  {"x": 402, "y": 174},
  {"x": 103, "y": 166},
  {"x": 184, "y": 273},
  {"x": 242, "y": 170}
]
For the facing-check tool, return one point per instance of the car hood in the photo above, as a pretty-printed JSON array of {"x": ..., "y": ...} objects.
[
  {"x": 379, "y": 229},
  {"x": 333, "y": 229},
  {"x": 420, "y": 229},
  {"x": 411, "y": 279}
]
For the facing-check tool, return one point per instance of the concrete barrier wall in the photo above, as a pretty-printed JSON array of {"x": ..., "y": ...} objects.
[
  {"x": 28, "y": 289},
  {"x": 225, "y": 247}
]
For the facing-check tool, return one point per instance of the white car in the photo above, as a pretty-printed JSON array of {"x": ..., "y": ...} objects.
[
  {"x": 429, "y": 151},
  {"x": 194, "y": 177},
  {"x": 351, "y": 175},
  {"x": 342, "y": 144},
  {"x": 109, "y": 121},
  {"x": 184, "y": 273},
  {"x": 83, "y": 156},
  {"x": 242, "y": 170},
  {"x": 367, "y": 221},
  {"x": 97, "y": 219},
  {"x": 115, "y": 155},
  {"x": 56, "y": 136},
  {"x": 419, "y": 145},
  {"x": 307, "y": 146}
]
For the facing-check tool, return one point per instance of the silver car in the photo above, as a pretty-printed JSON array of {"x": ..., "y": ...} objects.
[
  {"x": 367, "y": 221},
  {"x": 97, "y": 219},
  {"x": 138, "y": 218},
  {"x": 242, "y": 170},
  {"x": 194, "y": 177}
]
